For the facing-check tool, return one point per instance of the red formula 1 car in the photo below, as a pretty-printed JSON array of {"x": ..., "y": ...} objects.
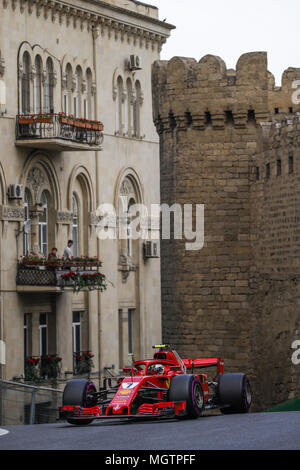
[{"x": 165, "y": 386}]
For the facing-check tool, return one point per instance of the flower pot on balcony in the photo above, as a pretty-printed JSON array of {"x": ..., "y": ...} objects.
[
  {"x": 98, "y": 127},
  {"x": 33, "y": 263},
  {"x": 64, "y": 121},
  {"x": 88, "y": 125},
  {"x": 26, "y": 120},
  {"x": 53, "y": 264},
  {"x": 44, "y": 120},
  {"x": 79, "y": 124}
]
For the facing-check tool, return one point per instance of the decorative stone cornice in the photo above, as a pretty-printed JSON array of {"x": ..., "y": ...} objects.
[
  {"x": 180, "y": 121},
  {"x": 98, "y": 22},
  {"x": 12, "y": 214}
]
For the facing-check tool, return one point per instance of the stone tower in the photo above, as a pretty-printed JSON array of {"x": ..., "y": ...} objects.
[{"x": 216, "y": 138}]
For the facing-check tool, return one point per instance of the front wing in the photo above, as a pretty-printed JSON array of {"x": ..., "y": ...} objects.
[{"x": 157, "y": 410}]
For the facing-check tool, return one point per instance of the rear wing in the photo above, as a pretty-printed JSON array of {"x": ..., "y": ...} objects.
[{"x": 203, "y": 363}]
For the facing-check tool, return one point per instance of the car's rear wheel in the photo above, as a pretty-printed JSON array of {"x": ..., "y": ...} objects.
[
  {"x": 235, "y": 392},
  {"x": 77, "y": 392},
  {"x": 187, "y": 388}
]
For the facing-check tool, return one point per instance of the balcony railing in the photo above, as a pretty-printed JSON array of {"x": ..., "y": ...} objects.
[
  {"x": 56, "y": 276},
  {"x": 58, "y": 132}
]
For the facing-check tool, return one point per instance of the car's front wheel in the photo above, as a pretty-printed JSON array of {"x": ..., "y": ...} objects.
[
  {"x": 77, "y": 393},
  {"x": 187, "y": 388}
]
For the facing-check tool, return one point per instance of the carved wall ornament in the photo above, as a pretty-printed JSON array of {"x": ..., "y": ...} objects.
[
  {"x": 64, "y": 217},
  {"x": 64, "y": 80},
  {"x": 126, "y": 187},
  {"x": 13, "y": 214},
  {"x": 93, "y": 89},
  {"x": 83, "y": 86},
  {"x": 94, "y": 219},
  {"x": 35, "y": 180}
]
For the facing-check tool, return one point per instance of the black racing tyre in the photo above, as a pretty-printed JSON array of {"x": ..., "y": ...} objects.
[
  {"x": 234, "y": 391},
  {"x": 75, "y": 393},
  {"x": 187, "y": 388}
]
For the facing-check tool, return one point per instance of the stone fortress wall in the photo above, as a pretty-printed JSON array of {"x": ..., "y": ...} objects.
[{"x": 222, "y": 134}]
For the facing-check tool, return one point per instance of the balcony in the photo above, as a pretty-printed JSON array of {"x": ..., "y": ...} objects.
[
  {"x": 38, "y": 369},
  {"x": 41, "y": 276},
  {"x": 82, "y": 362},
  {"x": 58, "y": 132}
]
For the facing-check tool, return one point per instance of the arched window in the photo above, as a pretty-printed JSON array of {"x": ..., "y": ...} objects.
[
  {"x": 128, "y": 197},
  {"x": 88, "y": 101},
  {"x": 78, "y": 92},
  {"x": 48, "y": 87},
  {"x": 38, "y": 85},
  {"x": 27, "y": 204},
  {"x": 68, "y": 93},
  {"x": 129, "y": 234},
  {"x": 129, "y": 108},
  {"x": 119, "y": 106},
  {"x": 137, "y": 111},
  {"x": 43, "y": 225},
  {"x": 75, "y": 225},
  {"x": 26, "y": 83}
]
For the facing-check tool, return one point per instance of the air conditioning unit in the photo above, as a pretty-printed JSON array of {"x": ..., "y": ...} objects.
[
  {"x": 151, "y": 250},
  {"x": 15, "y": 191},
  {"x": 135, "y": 62}
]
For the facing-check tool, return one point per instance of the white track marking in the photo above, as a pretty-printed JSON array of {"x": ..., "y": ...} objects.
[{"x": 3, "y": 432}]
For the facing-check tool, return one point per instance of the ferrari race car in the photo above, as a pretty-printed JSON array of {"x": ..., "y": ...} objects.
[{"x": 165, "y": 386}]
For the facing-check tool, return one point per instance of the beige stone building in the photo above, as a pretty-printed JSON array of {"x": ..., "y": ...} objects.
[{"x": 90, "y": 59}]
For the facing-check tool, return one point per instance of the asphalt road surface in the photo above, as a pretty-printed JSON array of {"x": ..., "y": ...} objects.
[{"x": 262, "y": 431}]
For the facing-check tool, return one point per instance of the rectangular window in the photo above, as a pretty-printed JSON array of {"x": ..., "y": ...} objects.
[
  {"x": 76, "y": 332},
  {"x": 130, "y": 331},
  {"x": 75, "y": 107},
  {"x": 268, "y": 171},
  {"x": 25, "y": 335},
  {"x": 85, "y": 109},
  {"x": 278, "y": 168},
  {"x": 257, "y": 173},
  {"x": 66, "y": 108},
  {"x": 43, "y": 238},
  {"x": 43, "y": 334},
  {"x": 291, "y": 164}
]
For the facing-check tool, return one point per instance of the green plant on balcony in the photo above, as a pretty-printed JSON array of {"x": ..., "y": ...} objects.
[
  {"x": 31, "y": 369},
  {"x": 44, "y": 118},
  {"x": 83, "y": 362},
  {"x": 78, "y": 281},
  {"x": 33, "y": 259},
  {"x": 50, "y": 366}
]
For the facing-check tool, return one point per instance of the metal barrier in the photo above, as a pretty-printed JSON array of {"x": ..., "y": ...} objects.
[
  {"x": 26, "y": 404},
  {"x": 29, "y": 404}
]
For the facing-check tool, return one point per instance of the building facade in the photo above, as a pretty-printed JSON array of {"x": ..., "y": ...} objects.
[
  {"x": 230, "y": 140},
  {"x": 63, "y": 69}
]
